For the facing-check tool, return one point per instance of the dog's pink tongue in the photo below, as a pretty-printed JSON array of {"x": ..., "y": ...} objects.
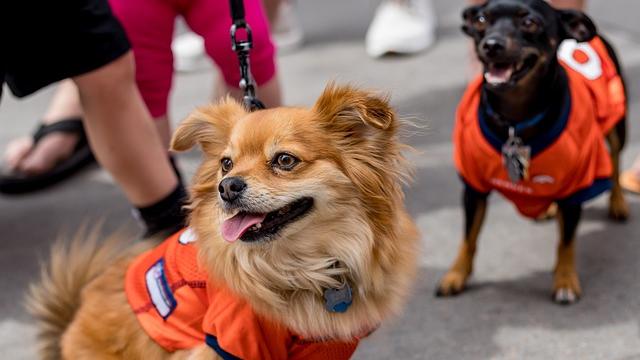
[
  {"x": 498, "y": 75},
  {"x": 233, "y": 228}
]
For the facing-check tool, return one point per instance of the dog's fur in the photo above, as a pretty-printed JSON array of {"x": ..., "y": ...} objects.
[
  {"x": 352, "y": 167},
  {"x": 503, "y": 35}
]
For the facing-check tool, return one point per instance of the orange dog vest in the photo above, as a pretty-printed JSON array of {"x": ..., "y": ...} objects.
[
  {"x": 573, "y": 164},
  {"x": 180, "y": 307}
]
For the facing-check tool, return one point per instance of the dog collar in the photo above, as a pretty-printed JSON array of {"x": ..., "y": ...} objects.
[{"x": 520, "y": 126}]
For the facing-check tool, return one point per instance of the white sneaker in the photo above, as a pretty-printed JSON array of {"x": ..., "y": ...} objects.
[
  {"x": 401, "y": 26},
  {"x": 286, "y": 31},
  {"x": 188, "y": 52}
]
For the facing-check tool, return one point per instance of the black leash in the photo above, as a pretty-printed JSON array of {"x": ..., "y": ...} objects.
[{"x": 242, "y": 47}]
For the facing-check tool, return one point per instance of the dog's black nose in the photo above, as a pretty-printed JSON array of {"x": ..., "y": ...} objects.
[
  {"x": 231, "y": 188},
  {"x": 494, "y": 46}
]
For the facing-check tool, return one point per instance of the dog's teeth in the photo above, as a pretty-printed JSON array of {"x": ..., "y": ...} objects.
[
  {"x": 233, "y": 213},
  {"x": 258, "y": 225}
]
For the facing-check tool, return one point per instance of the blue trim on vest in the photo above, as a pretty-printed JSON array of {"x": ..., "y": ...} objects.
[
  {"x": 537, "y": 144},
  {"x": 523, "y": 125},
  {"x": 212, "y": 341},
  {"x": 596, "y": 188}
]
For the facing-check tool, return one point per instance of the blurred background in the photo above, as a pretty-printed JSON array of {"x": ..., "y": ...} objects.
[{"x": 506, "y": 314}]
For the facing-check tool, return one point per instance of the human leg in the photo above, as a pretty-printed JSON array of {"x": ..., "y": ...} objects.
[
  {"x": 122, "y": 134},
  {"x": 86, "y": 43},
  {"x": 125, "y": 142},
  {"x": 78, "y": 37}
]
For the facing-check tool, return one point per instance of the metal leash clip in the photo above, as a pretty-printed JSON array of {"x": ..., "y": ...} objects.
[{"x": 242, "y": 46}]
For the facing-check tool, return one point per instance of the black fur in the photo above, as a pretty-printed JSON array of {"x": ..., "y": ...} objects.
[{"x": 523, "y": 36}]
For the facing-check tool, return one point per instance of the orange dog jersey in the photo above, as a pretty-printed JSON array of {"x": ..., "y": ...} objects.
[
  {"x": 570, "y": 163},
  {"x": 179, "y": 307}
]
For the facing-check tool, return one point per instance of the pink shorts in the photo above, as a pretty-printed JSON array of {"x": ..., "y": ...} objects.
[{"x": 150, "y": 24}]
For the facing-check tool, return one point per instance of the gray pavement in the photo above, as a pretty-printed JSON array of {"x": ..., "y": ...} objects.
[{"x": 506, "y": 314}]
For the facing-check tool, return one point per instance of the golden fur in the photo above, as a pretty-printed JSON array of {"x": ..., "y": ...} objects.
[{"x": 358, "y": 230}]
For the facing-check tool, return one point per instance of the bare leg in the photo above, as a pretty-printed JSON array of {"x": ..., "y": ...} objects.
[
  {"x": 122, "y": 134},
  {"x": 163, "y": 127}
]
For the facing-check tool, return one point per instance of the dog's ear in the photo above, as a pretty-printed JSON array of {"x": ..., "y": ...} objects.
[
  {"x": 468, "y": 17},
  {"x": 363, "y": 128},
  {"x": 208, "y": 127},
  {"x": 576, "y": 25},
  {"x": 354, "y": 116}
]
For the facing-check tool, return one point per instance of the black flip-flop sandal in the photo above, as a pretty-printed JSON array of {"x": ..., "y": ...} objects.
[{"x": 14, "y": 183}]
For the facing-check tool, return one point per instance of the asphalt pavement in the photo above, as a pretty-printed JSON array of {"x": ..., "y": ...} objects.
[{"x": 506, "y": 313}]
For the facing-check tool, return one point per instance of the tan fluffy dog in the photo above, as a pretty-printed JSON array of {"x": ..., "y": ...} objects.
[{"x": 337, "y": 167}]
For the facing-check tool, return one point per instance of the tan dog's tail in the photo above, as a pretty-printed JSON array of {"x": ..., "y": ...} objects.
[{"x": 54, "y": 299}]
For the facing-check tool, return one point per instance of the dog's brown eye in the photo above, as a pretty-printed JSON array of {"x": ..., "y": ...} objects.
[
  {"x": 480, "y": 22},
  {"x": 226, "y": 164},
  {"x": 285, "y": 161},
  {"x": 530, "y": 25}
]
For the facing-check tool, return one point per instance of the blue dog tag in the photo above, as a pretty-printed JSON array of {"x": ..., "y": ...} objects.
[{"x": 338, "y": 300}]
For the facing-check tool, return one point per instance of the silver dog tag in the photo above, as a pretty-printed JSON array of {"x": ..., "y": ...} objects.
[{"x": 516, "y": 157}]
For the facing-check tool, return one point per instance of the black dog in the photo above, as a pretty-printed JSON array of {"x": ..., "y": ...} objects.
[{"x": 530, "y": 111}]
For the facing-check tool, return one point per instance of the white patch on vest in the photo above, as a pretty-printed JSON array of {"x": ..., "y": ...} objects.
[
  {"x": 543, "y": 179},
  {"x": 592, "y": 69},
  {"x": 508, "y": 185},
  {"x": 188, "y": 236},
  {"x": 159, "y": 290}
]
